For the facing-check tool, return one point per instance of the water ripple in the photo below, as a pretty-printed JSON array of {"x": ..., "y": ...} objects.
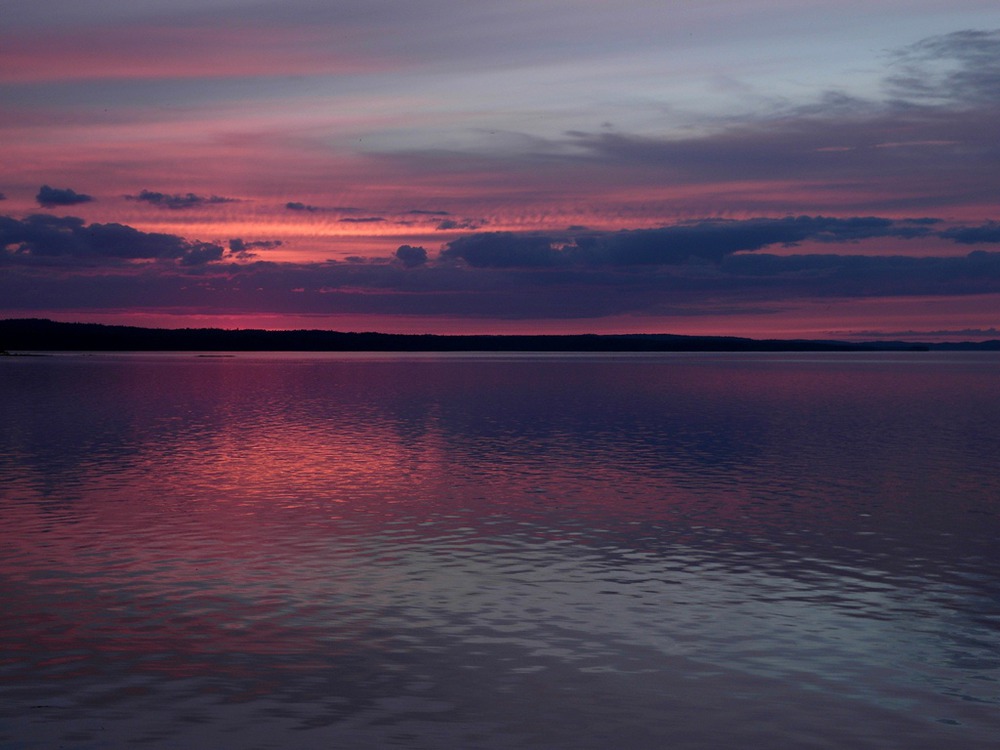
[{"x": 535, "y": 552}]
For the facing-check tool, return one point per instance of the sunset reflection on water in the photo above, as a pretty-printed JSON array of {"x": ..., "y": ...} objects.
[{"x": 499, "y": 551}]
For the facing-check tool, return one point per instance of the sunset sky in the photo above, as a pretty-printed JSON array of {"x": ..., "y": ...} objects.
[{"x": 762, "y": 168}]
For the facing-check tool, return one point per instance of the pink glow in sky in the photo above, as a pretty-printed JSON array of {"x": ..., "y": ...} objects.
[{"x": 755, "y": 168}]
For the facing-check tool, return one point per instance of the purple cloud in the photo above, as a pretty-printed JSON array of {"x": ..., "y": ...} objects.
[
  {"x": 749, "y": 283},
  {"x": 244, "y": 249},
  {"x": 42, "y": 236},
  {"x": 298, "y": 206},
  {"x": 411, "y": 256},
  {"x": 985, "y": 233},
  {"x": 178, "y": 201},
  {"x": 704, "y": 241},
  {"x": 463, "y": 224},
  {"x": 50, "y": 197}
]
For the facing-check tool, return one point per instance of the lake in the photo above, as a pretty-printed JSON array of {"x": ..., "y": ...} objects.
[{"x": 500, "y": 551}]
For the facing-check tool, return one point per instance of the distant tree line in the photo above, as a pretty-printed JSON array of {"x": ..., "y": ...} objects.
[{"x": 35, "y": 334}]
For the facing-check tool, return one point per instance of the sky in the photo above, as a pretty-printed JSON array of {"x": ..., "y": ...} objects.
[{"x": 756, "y": 168}]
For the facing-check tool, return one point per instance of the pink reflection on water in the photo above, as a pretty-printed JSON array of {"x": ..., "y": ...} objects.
[{"x": 246, "y": 523}]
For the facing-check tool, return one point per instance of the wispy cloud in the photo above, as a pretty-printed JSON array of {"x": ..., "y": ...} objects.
[
  {"x": 926, "y": 141},
  {"x": 961, "y": 67}
]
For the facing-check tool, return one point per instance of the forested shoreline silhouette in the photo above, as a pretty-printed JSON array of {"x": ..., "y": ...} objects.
[{"x": 38, "y": 335}]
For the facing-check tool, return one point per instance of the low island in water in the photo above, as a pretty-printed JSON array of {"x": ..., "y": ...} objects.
[{"x": 35, "y": 334}]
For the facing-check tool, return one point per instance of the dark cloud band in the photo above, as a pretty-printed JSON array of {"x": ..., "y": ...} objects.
[
  {"x": 178, "y": 201},
  {"x": 703, "y": 241},
  {"x": 42, "y": 236}
]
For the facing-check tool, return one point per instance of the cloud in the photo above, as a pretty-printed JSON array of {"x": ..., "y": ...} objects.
[
  {"x": 985, "y": 233},
  {"x": 924, "y": 139},
  {"x": 49, "y": 197},
  {"x": 963, "y": 66},
  {"x": 749, "y": 283},
  {"x": 707, "y": 241},
  {"x": 199, "y": 253},
  {"x": 45, "y": 237},
  {"x": 297, "y": 206},
  {"x": 863, "y": 276},
  {"x": 554, "y": 283},
  {"x": 243, "y": 249},
  {"x": 420, "y": 212},
  {"x": 504, "y": 250},
  {"x": 830, "y": 157},
  {"x": 3, "y": 197},
  {"x": 411, "y": 256},
  {"x": 362, "y": 220},
  {"x": 178, "y": 201},
  {"x": 694, "y": 268},
  {"x": 238, "y": 246},
  {"x": 463, "y": 224},
  {"x": 712, "y": 240}
]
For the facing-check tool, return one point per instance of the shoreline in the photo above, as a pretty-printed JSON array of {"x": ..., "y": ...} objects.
[{"x": 40, "y": 335}]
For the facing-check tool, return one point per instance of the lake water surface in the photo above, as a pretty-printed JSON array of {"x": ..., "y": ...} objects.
[{"x": 500, "y": 551}]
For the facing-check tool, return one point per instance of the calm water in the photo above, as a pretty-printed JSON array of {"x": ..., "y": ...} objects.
[{"x": 332, "y": 551}]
